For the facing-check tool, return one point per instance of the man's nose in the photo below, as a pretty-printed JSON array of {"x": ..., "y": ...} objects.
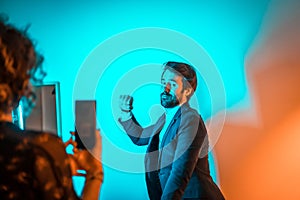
[{"x": 167, "y": 87}]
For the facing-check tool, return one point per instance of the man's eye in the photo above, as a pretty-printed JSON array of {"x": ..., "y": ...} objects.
[{"x": 174, "y": 85}]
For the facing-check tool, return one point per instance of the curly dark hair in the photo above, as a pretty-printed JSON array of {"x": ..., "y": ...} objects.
[
  {"x": 19, "y": 63},
  {"x": 186, "y": 71}
]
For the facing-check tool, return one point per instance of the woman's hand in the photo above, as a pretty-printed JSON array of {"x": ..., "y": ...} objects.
[{"x": 88, "y": 160}]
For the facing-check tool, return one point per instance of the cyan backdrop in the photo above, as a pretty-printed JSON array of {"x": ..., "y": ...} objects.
[{"x": 74, "y": 35}]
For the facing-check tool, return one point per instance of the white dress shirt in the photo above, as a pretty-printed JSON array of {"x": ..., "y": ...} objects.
[{"x": 170, "y": 113}]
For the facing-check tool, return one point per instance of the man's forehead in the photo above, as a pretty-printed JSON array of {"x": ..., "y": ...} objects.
[{"x": 171, "y": 74}]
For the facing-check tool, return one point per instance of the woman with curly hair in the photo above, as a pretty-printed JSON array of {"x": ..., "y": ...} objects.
[{"x": 34, "y": 165}]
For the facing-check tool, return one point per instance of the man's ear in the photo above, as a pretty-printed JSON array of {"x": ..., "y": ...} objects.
[{"x": 187, "y": 91}]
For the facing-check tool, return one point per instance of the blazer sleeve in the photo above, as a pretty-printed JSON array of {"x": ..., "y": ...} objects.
[
  {"x": 190, "y": 136},
  {"x": 138, "y": 135}
]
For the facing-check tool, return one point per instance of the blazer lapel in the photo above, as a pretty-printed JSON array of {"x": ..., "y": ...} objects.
[
  {"x": 176, "y": 116},
  {"x": 153, "y": 131}
]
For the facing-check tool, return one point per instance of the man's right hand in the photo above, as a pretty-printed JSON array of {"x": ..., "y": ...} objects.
[{"x": 125, "y": 103}]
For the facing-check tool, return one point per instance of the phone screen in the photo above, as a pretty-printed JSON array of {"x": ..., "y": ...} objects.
[{"x": 85, "y": 123}]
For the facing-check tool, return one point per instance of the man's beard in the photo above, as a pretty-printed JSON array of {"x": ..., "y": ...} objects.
[{"x": 168, "y": 100}]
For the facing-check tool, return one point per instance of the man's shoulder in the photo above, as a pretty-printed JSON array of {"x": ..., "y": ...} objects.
[{"x": 189, "y": 112}]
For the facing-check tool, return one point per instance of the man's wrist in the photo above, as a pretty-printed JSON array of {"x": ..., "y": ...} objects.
[
  {"x": 125, "y": 110},
  {"x": 124, "y": 116}
]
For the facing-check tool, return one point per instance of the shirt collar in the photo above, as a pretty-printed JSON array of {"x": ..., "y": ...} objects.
[{"x": 171, "y": 111}]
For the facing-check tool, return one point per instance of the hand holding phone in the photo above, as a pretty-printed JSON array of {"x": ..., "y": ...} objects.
[{"x": 89, "y": 161}]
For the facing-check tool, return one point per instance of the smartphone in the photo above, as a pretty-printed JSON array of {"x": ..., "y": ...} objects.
[{"x": 85, "y": 123}]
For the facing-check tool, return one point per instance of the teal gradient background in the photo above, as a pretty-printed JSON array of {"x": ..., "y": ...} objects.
[{"x": 67, "y": 32}]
